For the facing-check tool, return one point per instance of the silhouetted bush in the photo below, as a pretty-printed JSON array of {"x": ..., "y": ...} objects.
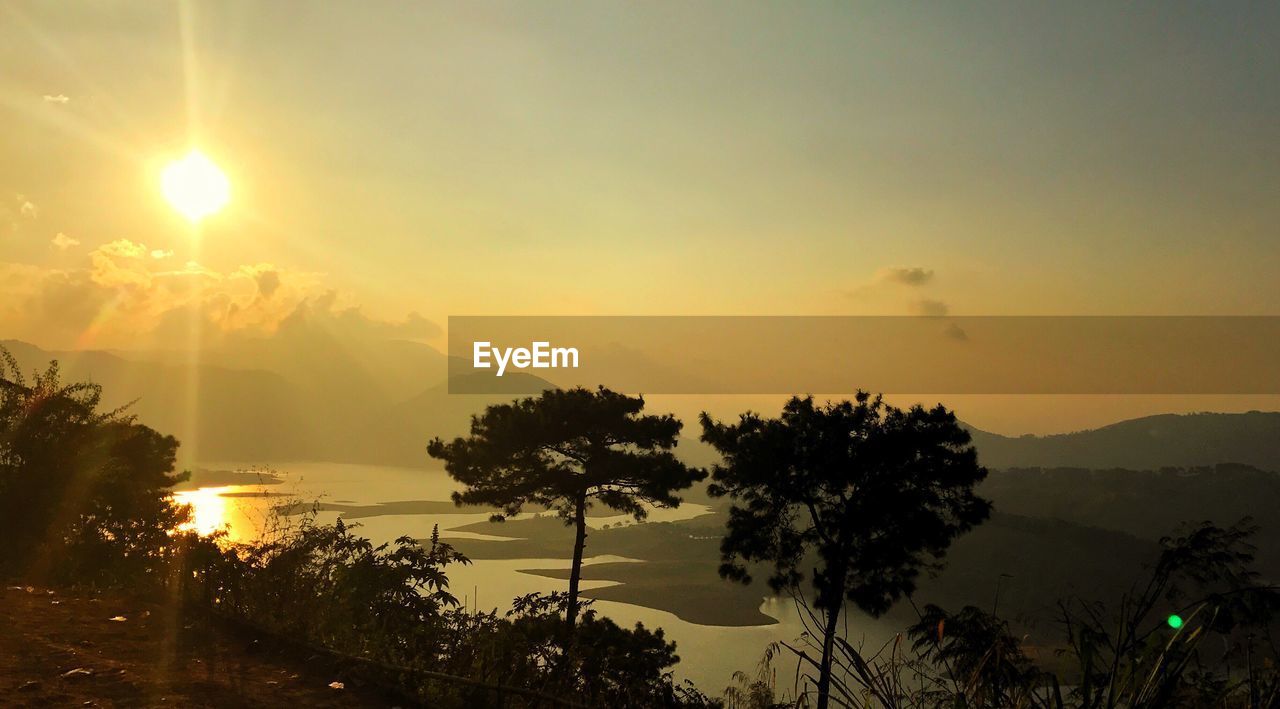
[
  {"x": 390, "y": 605},
  {"x": 84, "y": 494}
]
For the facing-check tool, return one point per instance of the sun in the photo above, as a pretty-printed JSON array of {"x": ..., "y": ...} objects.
[{"x": 195, "y": 186}]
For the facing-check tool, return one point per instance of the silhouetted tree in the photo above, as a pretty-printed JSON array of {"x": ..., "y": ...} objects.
[
  {"x": 564, "y": 449},
  {"x": 83, "y": 493},
  {"x": 875, "y": 492}
]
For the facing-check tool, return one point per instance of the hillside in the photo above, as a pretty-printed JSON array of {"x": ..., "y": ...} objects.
[
  {"x": 1150, "y": 442},
  {"x": 1147, "y": 503}
]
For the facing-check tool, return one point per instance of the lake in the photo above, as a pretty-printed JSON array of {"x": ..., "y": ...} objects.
[{"x": 709, "y": 654}]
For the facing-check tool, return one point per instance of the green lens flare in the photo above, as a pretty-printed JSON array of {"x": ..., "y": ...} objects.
[{"x": 1175, "y": 621}]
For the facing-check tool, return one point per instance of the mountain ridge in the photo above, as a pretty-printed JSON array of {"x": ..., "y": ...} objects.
[{"x": 342, "y": 403}]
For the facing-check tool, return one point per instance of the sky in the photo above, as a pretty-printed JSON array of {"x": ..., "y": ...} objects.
[{"x": 395, "y": 163}]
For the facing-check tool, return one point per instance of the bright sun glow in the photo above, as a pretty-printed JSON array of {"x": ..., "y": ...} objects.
[
  {"x": 208, "y": 508},
  {"x": 194, "y": 186}
]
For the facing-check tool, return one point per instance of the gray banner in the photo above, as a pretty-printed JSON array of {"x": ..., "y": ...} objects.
[{"x": 841, "y": 354}]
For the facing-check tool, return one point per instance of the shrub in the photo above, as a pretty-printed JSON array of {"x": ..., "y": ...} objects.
[{"x": 84, "y": 494}]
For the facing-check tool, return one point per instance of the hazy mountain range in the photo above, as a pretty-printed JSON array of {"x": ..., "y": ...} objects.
[
  {"x": 1251, "y": 438},
  {"x": 308, "y": 396},
  {"x": 277, "y": 399}
]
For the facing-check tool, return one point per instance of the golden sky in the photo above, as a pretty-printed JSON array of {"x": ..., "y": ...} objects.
[{"x": 415, "y": 160}]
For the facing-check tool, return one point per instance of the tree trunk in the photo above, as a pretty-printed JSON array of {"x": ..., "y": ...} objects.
[
  {"x": 575, "y": 574},
  {"x": 828, "y": 650}
]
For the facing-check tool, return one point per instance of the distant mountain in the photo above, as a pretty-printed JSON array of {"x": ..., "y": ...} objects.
[
  {"x": 398, "y": 434},
  {"x": 306, "y": 399},
  {"x": 1151, "y": 442},
  {"x": 467, "y": 381},
  {"x": 240, "y": 414},
  {"x": 362, "y": 373},
  {"x": 1147, "y": 503},
  {"x": 307, "y": 394}
]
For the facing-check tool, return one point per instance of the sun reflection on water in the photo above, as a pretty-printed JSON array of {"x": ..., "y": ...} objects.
[
  {"x": 242, "y": 512},
  {"x": 208, "y": 509}
]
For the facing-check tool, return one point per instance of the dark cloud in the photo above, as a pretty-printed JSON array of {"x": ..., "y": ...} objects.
[
  {"x": 932, "y": 308},
  {"x": 907, "y": 276},
  {"x": 268, "y": 283}
]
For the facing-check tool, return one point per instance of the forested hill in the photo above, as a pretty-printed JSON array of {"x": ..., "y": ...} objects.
[{"x": 1151, "y": 442}]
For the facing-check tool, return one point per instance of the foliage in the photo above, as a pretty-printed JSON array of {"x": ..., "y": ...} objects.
[
  {"x": 979, "y": 653},
  {"x": 330, "y": 587},
  {"x": 84, "y": 494},
  {"x": 1129, "y": 656},
  {"x": 876, "y": 493},
  {"x": 758, "y": 690},
  {"x": 563, "y": 450},
  {"x": 390, "y": 606},
  {"x": 600, "y": 660},
  {"x": 1124, "y": 656}
]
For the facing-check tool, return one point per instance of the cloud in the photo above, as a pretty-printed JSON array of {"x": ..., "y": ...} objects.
[
  {"x": 931, "y": 308},
  {"x": 194, "y": 268},
  {"x": 122, "y": 296},
  {"x": 885, "y": 284},
  {"x": 56, "y": 98},
  {"x": 323, "y": 314},
  {"x": 62, "y": 242},
  {"x": 27, "y": 209},
  {"x": 160, "y": 253},
  {"x": 118, "y": 264},
  {"x": 907, "y": 276},
  {"x": 123, "y": 248},
  {"x": 268, "y": 283}
]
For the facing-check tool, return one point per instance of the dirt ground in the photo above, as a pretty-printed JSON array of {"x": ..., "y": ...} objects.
[{"x": 59, "y": 650}]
